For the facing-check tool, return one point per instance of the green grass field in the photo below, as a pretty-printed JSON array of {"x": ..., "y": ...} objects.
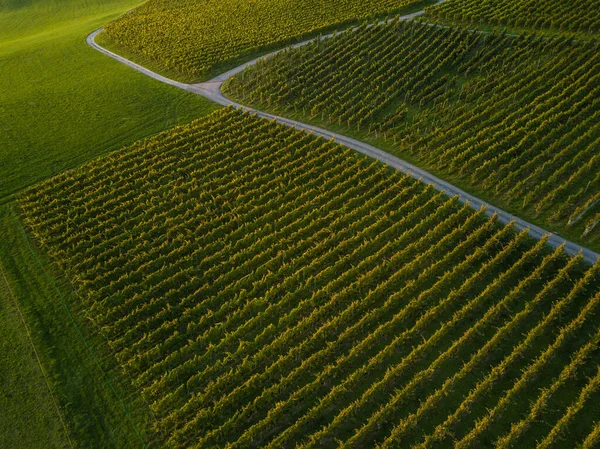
[
  {"x": 62, "y": 103},
  {"x": 25, "y": 393}
]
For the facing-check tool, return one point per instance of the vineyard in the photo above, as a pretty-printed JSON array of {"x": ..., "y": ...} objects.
[
  {"x": 579, "y": 17},
  {"x": 192, "y": 38},
  {"x": 516, "y": 117},
  {"x": 263, "y": 287}
]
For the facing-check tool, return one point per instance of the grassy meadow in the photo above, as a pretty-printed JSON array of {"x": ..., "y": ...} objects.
[{"x": 61, "y": 102}]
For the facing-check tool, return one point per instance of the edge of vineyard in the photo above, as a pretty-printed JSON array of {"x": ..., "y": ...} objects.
[{"x": 100, "y": 407}]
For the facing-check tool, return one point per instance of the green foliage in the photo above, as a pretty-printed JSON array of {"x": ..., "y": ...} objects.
[
  {"x": 579, "y": 17},
  {"x": 262, "y": 287},
  {"x": 195, "y": 38},
  {"x": 516, "y": 118}
]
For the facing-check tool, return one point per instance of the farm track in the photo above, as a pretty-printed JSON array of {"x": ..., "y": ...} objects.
[{"x": 212, "y": 90}]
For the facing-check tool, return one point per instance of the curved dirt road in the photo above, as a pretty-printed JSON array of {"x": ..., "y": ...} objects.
[{"x": 212, "y": 90}]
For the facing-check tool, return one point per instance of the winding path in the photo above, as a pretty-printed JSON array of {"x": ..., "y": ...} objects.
[{"x": 212, "y": 91}]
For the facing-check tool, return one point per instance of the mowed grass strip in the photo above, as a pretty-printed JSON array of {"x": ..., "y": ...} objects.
[{"x": 30, "y": 412}]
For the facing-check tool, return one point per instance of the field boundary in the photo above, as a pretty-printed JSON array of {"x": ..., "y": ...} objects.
[
  {"x": 37, "y": 356},
  {"x": 212, "y": 90},
  {"x": 79, "y": 332}
]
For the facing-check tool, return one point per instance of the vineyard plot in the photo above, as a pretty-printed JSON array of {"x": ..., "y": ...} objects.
[
  {"x": 514, "y": 117},
  {"x": 193, "y": 38},
  {"x": 580, "y": 18},
  {"x": 263, "y": 287}
]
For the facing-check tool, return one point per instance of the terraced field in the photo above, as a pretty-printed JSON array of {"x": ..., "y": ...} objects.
[
  {"x": 514, "y": 119},
  {"x": 265, "y": 288},
  {"x": 192, "y": 38},
  {"x": 579, "y": 17}
]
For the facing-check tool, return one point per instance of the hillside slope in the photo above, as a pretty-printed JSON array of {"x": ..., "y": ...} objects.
[
  {"x": 263, "y": 287},
  {"x": 61, "y": 103},
  {"x": 193, "y": 39},
  {"x": 513, "y": 120}
]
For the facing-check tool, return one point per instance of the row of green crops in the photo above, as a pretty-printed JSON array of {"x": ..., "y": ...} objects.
[
  {"x": 578, "y": 17},
  {"x": 263, "y": 287},
  {"x": 192, "y": 38},
  {"x": 516, "y": 118}
]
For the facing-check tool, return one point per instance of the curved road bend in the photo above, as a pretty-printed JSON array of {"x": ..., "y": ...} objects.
[{"x": 212, "y": 91}]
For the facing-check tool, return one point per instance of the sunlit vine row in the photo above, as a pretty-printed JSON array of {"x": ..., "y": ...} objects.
[
  {"x": 516, "y": 116},
  {"x": 581, "y": 17},
  {"x": 192, "y": 37},
  {"x": 262, "y": 287}
]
